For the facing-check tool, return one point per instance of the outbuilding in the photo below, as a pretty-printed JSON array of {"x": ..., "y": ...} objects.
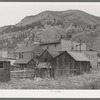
[
  {"x": 42, "y": 70},
  {"x": 24, "y": 68},
  {"x": 69, "y": 63},
  {"x": 25, "y": 64},
  {"x": 4, "y": 70}
]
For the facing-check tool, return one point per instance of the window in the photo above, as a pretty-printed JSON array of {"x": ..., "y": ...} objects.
[
  {"x": 45, "y": 59},
  {"x": 47, "y": 47},
  {"x": 1, "y": 64},
  {"x": 21, "y": 55}
]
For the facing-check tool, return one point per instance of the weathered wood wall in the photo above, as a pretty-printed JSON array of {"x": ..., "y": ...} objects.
[
  {"x": 5, "y": 72},
  {"x": 45, "y": 55},
  {"x": 64, "y": 65}
]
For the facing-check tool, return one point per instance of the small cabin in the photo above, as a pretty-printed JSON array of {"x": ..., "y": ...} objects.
[
  {"x": 69, "y": 63},
  {"x": 42, "y": 69},
  {"x": 24, "y": 68},
  {"x": 4, "y": 70},
  {"x": 25, "y": 64}
]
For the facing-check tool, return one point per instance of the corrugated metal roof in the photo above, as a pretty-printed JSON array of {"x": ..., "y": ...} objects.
[
  {"x": 28, "y": 48},
  {"x": 22, "y": 61},
  {"x": 78, "y": 56},
  {"x": 42, "y": 65}
]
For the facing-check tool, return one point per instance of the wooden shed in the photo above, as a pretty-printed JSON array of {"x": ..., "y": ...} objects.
[
  {"x": 4, "y": 70},
  {"x": 69, "y": 63},
  {"x": 42, "y": 70},
  {"x": 25, "y": 64}
]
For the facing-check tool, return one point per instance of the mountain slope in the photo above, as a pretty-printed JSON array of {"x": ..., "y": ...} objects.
[{"x": 50, "y": 26}]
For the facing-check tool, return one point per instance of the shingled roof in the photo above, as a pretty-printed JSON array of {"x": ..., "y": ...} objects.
[{"x": 22, "y": 61}]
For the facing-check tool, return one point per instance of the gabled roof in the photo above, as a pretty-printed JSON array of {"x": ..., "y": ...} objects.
[
  {"x": 53, "y": 53},
  {"x": 29, "y": 48},
  {"x": 22, "y": 61},
  {"x": 75, "y": 55}
]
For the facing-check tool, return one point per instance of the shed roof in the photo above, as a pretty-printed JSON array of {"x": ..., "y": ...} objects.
[
  {"x": 28, "y": 48},
  {"x": 42, "y": 65},
  {"x": 22, "y": 61},
  {"x": 78, "y": 56}
]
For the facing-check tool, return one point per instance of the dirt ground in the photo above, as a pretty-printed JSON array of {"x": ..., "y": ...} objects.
[{"x": 84, "y": 81}]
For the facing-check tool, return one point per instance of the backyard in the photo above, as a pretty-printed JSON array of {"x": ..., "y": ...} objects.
[{"x": 84, "y": 81}]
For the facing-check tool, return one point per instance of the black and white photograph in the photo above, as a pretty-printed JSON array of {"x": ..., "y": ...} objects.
[{"x": 46, "y": 46}]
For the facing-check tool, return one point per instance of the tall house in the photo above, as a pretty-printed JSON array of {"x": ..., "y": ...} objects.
[
  {"x": 52, "y": 46},
  {"x": 64, "y": 45}
]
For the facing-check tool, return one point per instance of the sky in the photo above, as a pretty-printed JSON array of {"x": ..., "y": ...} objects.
[{"x": 13, "y": 12}]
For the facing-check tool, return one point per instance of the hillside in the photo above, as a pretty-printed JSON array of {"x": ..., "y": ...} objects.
[{"x": 51, "y": 26}]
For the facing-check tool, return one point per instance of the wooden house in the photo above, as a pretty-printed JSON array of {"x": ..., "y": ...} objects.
[
  {"x": 42, "y": 69},
  {"x": 69, "y": 63},
  {"x": 63, "y": 45},
  {"x": 4, "y": 70},
  {"x": 51, "y": 46},
  {"x": 47, "y": 55},
  {"x": 11, "y": 54},
  {"x": 25, "y": 64},
  {"x": 31, "y": 51}
]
